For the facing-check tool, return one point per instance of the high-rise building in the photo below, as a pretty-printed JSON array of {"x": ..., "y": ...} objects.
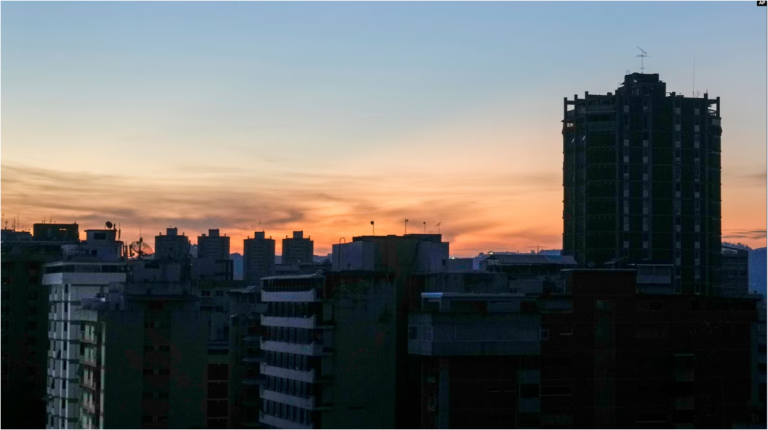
[
  {"x": 734, "y": 273},
  {"x": 298, "y": 249},
  {"x": 642, "y": 180},
  {"x": 25, "y": 320},
  {"x": 331, "y": 337},
  {"x": 213, "y": 245},
  {"x": 258, "y": 258},
  {"x": 143, "y": 356},
  {"x": 85, "y": 271},
  {"x": 245, "y": 357},
  {"x": 212, "y": 261},
  {"x": 172, "y": 246}
]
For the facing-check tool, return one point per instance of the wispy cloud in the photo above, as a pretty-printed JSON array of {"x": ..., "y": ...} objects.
[
  {"x": 746, "y": 179},
  {"x": 474, "y": 210},
  {"x": 745, "y": 234}
]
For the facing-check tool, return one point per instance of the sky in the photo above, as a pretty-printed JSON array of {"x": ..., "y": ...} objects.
[{"x": 323, "y": 117}]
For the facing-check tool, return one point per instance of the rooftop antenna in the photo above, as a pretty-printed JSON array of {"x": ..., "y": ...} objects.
[
  {"x": 438, "y": 227},
  {"x": 642, "y": 57},
  {"x": 693, "y": 85},
  {"x": 406, "y": 226},
  {"x": 374, "y": 228},
  {"x": 425, "y": 227}
]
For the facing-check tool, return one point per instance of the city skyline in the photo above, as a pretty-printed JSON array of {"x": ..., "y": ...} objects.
[{"x": 325, "y": 117}]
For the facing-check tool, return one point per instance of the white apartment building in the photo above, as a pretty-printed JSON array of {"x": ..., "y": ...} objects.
[{"x": 86, "y": 270}]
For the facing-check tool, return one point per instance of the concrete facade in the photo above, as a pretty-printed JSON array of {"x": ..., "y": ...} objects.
[
  {"x": 87, "y": 270},
  {"x": 151, "y": 377},
  {"x": 329, "y": 339}
]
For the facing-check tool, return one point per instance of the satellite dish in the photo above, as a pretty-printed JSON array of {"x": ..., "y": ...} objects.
[
  {"x": 140, "y": 248},
  {"x": 109, "y": 224}
]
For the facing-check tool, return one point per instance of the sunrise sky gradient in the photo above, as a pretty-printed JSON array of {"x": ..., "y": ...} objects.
[{"x": 325, "y": 116}]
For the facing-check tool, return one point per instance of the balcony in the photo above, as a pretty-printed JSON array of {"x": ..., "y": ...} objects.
[
  {"x": 281, "y": 423},
  {"x": 308, "y": 376},
  {"x": 300, "y": 402},
  {"x": 90, "y": 407},
  {"x": 89, "y": 340},
  {"x": 309, "y": 322},
  {"x": 289, "y": 296},
  {"x": 90, "y": 384},
  {"x": 313, "y": 348}
]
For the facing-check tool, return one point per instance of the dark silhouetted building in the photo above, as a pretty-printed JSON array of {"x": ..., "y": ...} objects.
[
  {"x": 734, "y": 272},
  {"x": 331, "y": 337},
  {"x": 56, "y": 232},
  {"x": 245, "y": 356},
  {"x": 298, "y": 249},
  {"x": 258, "y": 258},
  {"x": 143, "y": 356},
  {"x": 212, "y": 261},
  {"x": 594, "y": 353},
  {"x": 172, "y": 246},
  {"x": 25, "y": 320},
  {"x": 213, "y": 245},
  {"x": 646, "y": 360},
  {"x": 642, "y": 180}
]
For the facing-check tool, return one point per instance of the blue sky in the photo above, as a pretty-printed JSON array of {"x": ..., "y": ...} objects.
[{"x": 351, "y": 111}]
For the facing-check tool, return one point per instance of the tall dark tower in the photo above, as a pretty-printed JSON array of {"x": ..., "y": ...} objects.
[
  {"x": 641, "y": 180},
  {"x": 258, "y": 258}
]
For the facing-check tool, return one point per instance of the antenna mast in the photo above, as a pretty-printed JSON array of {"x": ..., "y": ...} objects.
[
  {"x": 642, "y": 57},
  {"x": 693, "y": 86}
]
